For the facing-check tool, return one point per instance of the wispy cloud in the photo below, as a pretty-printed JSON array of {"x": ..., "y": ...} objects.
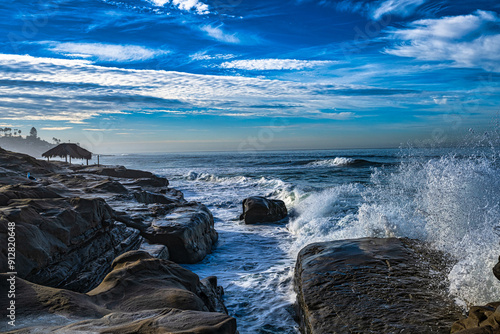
[
  {"x": 76, "y": 91},
  {"x": 205, "y": 56},
  {"x": 274, "y": 64},
  {"x": 377, "y": 9},
  {"x": 465, "y": 40},
  {"x": 402, "y": 8},
  {"x": 105, "y": 52},
  {"x": 186, "y": 5},
  {"x": 56, "y": 128},
  {"x": 218, "y": 34},
  {"x": 341, "y": 116}
]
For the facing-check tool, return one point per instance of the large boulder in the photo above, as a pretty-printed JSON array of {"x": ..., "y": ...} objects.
[
  {"x": 262, "y": 210},
  {"x": 141, "y": 294},
  {"x": 187, "y": 231},
  {"x": 371, "y": 285},
  {"x": 63, "y": 242}
]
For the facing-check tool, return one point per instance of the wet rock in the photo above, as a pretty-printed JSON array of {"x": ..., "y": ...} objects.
[
  {"x": 481, "y": 320},
  {"x": 187, "y": 231},
  {"x": 155, "y": 182},
  {"x": 21, "y": 164},
  {"x": 212, "y": 294},
  {"x": 158, "y": 251},
  {"x": 22, "y": 191},
  {"x": 124, "y": 173},
  {"x": 148, "y": 197},
  {"x": 371, "y": 285},
  {"x": 141, "y": 294},
  {"x": 262, "y": 210},
  {"x": 496, "y": 269},
  {"x": 109, "y": 186},
  {"x": 67, "y": 242}
]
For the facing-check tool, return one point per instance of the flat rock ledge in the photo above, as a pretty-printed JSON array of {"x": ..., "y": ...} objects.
[
  {"x": 141, "y": 294},
  {"x": 372, "y": 285},
  {"x": 74, "y": 220}
]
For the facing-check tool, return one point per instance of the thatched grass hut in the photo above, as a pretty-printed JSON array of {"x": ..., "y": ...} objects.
[{"x": 64, "y": 150}]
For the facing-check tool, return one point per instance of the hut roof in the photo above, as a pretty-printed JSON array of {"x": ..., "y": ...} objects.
[{"x": 66, "y": 149}]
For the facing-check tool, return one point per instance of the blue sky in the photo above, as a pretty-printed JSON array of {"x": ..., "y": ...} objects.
[{"x": 188, "y": 75}]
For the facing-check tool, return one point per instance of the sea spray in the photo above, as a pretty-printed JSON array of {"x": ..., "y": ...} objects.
[
  {"x": 431, "y": 195},
  {"x": 450, "y": 202}
]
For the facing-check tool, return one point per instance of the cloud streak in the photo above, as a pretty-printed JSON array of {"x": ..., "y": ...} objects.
[
  {"x": 105, "y": 52},
  {"x": 76, "y": 91},
  {"x": 466, "y": 40},
  {"x": 274, "y": 64},
  {"x": 186, "y": 5},
  {"x": 218, "y": 34},
  {"x": 57, "y": 128},
  {"x": 377, "y": 9}
]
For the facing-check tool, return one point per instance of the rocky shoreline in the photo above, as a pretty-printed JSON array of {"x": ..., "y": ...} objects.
[{"x": 97, "y": 250}]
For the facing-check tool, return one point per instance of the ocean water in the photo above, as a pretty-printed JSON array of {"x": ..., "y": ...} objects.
[{"x": 448, "y": 198}]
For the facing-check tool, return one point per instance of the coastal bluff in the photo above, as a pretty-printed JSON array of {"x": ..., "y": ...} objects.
[
  {"x": 371, "y": 285},
  {"x": 76, "y": 226}
]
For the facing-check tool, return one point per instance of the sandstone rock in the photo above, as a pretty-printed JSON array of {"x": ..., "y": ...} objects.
[
  {"x": 262, "y": 210},
  {"x": 147, "y": 197},
  {"x": 22, "y": 191},
  {"x": 141, "y": 294},
  {"x": 157, "y": 251},
  {"x": 212, "y": 294},
  {"x": 124, "y": 173},
  {"x": 370, "y": 285},
  {"x": 23, "y": 163},
  {"x": 109, "y": 186},
  {"x": 67, "y": 242},
  {"x": 187, "y": 230},
  {"x": 481, "y": 320}
]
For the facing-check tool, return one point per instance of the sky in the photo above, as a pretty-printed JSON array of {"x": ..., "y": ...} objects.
[{"x": 131, "y": 76}]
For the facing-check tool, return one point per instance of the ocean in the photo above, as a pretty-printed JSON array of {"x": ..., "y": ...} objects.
[{"x": 447, "y": 198}]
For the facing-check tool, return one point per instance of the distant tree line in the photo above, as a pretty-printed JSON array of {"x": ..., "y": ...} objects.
[{"x": 10, "y": 132}]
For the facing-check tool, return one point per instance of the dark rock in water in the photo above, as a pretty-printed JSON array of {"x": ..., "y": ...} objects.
[
  {"x": 262, "y": 210},
  {"x": 212, "y": 294},
  {"x": 67, "y": 242},
  {"x": 371, "y": 285},
  {"x": 141, "y": 294},
  {"x": 187, "y": 230},
  {"x": 496, "y": 269},
  {"x": 481, "y": 320}
]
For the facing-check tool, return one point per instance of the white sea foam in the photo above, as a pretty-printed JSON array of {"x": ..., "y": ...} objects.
[
  {"x": 339, "y": 161},
  {"x": 451, "y": 203}
]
